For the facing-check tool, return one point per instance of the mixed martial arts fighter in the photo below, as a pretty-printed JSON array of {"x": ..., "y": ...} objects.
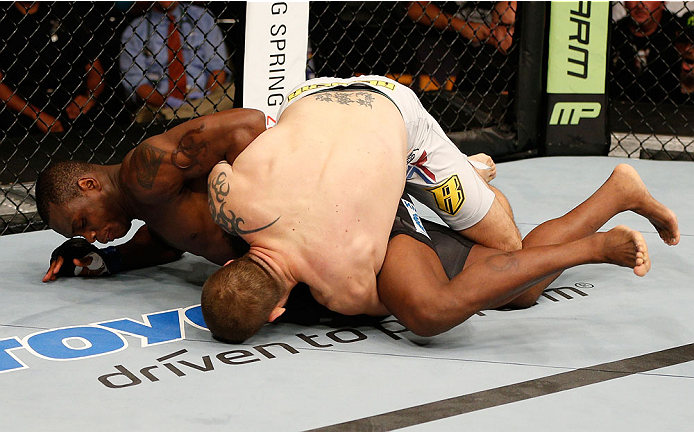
[
  {"x": 316, "y": 197},
  {"x": 163, "y": 181}
]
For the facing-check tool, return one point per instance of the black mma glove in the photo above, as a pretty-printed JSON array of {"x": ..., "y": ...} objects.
[{"x": 104, "y": 261}]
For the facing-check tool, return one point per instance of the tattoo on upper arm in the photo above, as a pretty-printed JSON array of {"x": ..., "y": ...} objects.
[
  {"x": 147, "y": 160},
  {"x": 218, "y": 190},
  {"x": 345, "y": 97},
  {"x": 189, "y": 147}
]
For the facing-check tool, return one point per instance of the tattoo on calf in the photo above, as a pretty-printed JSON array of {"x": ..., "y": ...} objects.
[
  {"x": 189, "y": 148},
  {"x": 502, "y": 262},
  {"x": 218, "y": 190},
  {"x": 344, "y": 97},
  {"x": 147, "y": 160}
]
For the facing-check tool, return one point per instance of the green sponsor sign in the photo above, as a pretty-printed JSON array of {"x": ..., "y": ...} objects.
[{"x": 577, "y": 47}]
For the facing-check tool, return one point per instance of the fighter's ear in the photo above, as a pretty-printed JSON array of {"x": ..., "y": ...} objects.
[
  {"x": 88, "y": 183},
  {"x": 276, "y": 313}
]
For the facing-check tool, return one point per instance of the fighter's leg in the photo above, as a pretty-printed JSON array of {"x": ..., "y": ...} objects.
[
  {"x": 414, "y": 287},
  {"x": 624, "y": 190},
  {"x": 446, "y": 182},
  {"x": 497, "y": 229},
  {"x": 504, "y": 202}
]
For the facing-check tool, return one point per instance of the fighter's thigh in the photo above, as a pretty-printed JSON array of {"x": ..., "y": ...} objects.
[
  {"x": 410, "y": 276},
  {"x": 496, "y": 230},
  {"x": 446, "y": 182}
]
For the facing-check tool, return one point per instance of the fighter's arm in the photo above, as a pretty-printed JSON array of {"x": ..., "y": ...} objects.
[
  {"x": 147, "y": 249},
  {"x": 77, "y": 258},
  {"x": 165, "y": 162}
]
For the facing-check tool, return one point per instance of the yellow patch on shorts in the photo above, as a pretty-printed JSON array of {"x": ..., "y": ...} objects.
[{"x": 449, "y": 195}]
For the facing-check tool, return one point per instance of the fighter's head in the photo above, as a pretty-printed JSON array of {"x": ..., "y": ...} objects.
[
  {"x": 239, "y": 298},
  {"x": 76, "y": 199}
]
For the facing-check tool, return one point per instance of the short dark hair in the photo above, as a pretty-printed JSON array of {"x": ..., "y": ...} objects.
[
  {"x": 57, "y": 184},
  {"x": 238, "y": 299}
]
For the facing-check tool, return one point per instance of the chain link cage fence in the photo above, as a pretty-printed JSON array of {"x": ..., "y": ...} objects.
[
  {"x": 87, "y": 80},
  {"x": 651, "y": 80}
]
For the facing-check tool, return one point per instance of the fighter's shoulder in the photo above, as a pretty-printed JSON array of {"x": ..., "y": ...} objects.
[{"x": 146, "y": 170}]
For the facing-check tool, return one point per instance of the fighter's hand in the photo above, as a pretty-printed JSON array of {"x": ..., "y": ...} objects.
[
  {"x": 90, "y": 265},
  {"x": 77, "y": 257},
  {"x": 52, "y": 273}
]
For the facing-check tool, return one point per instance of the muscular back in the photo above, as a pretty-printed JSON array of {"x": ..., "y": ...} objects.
[{"x": 316, "y": 195}]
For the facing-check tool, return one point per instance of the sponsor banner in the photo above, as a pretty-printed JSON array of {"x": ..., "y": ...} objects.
[
  {"x": 275, "y": 54},
  {"x": 576, "y": 125},
  {"x": 576, "y": 79},
  {"x": 578, "y": 47},
  {"x": 114, "y": 336}
]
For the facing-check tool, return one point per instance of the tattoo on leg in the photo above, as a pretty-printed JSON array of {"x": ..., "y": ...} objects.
[
  {"x": 218, "y": 190},
  {"x": 188, "y": 149},
  {"x": 502, "y": 262},
  {"x": 147, "y": 160}
]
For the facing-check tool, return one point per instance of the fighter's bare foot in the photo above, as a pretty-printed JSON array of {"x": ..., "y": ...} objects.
[
  {"x": 640, "y": 201},
  {"x": 487, "y": 174},
  {"x": 625, "y": 247}
]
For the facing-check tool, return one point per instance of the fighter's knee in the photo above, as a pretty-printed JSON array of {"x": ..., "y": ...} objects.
[
  {"x": 524, "y": 301},
  {"x": 426, "y": 321},
  {"x": 512, "y": 242}
]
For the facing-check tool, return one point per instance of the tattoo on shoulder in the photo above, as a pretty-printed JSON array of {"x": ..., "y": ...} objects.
[
  {"x": 147, "y": 160},
  {"x": 346, "y": 97},
  {"x": 218, "y": 190},
  {"x": 189, "y": 147}
]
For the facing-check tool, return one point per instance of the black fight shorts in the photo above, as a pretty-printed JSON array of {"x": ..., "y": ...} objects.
[{"x": 451, "y": 247}]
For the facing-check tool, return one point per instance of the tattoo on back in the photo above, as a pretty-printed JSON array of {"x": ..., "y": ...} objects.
[
  {"x": 147, "y": 160},
  {"x": 346, "y": 97},
  {"x": 218, "y": 190},
  {"x": 189, "y": 148}
]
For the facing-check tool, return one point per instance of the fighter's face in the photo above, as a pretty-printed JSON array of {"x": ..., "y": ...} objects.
[
  {"x": 91, "y": 217},
  {"x": 642, "y": 12}
]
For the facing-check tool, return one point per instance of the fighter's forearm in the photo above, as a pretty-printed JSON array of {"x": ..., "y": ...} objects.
[{"x": 146, "y": 250}]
